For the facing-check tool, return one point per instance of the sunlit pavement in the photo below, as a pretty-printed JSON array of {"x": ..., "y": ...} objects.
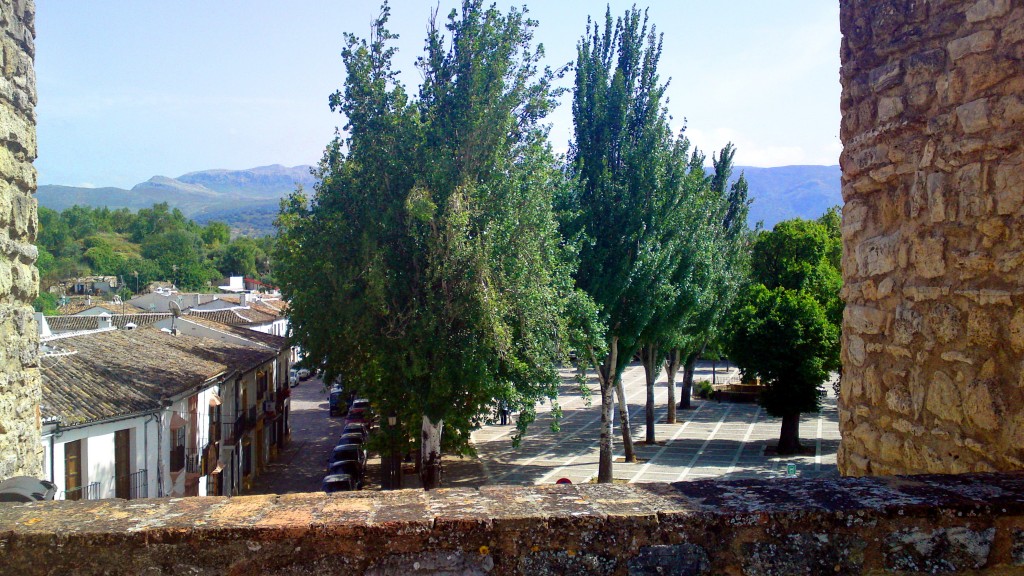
[{"x": 710, "y": 440}]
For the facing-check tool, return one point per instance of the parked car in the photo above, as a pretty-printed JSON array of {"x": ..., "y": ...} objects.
[
  {"x": 351, "y": 468},
  {"x": 360, "y": 416},
  {"x": 348, "y": 452},
  {"x": 339, "y": 483},
  {"x": 293, "y": 377},
  {"x": 360, "y": 403},
  {"x": 336, "y": 401},
  {"x": 304, "y": 374},
  {"x": 356, "y": 428}
]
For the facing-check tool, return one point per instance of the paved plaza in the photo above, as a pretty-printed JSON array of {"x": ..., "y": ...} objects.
[{"x": 710, "y": 440}]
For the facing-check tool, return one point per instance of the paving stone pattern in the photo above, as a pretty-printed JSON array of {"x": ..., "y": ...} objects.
[{"x": 711, "y": 440}]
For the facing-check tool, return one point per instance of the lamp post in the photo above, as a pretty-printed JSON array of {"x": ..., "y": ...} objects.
[{"x": 393, "y": 469}]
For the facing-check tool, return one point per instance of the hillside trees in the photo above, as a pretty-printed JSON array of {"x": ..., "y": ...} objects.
[
  {"x": 628, "y": 204},
  {"x": 785, "y": 329},
  {"x": 427, "y": 269},
  {"x": 82, "y": 240}
]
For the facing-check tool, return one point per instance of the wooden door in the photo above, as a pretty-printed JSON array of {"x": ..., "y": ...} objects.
[
  {"x": 122, "y": 464},
  {"x": 73, "y": 470}
]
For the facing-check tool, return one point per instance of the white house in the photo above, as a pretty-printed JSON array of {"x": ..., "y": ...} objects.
[{"x": 146, "y": 413}]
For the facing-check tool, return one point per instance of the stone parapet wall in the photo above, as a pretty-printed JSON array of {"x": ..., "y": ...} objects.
[
  {"x": 933, "y": 236},
  {"x": 20, "y": 450},
  {"x": 900, "y": 525}
]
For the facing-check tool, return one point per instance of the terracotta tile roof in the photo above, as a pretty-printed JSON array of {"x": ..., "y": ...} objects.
[
  {"x": 78, "y": 323},
  {"x": 120, "y": 373},
  {"x": 277, "y": 342},
  {"x": 235, "y": 316}
]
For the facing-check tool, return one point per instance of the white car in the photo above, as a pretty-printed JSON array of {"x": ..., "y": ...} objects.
[
  {"x": 304, "y": 374},
  {"x": 293, "y": 377}
]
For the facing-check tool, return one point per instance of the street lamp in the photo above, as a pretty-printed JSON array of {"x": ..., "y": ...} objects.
[{"x": 393, "y": 474}]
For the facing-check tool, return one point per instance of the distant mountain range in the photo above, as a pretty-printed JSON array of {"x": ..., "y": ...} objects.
[{"x": 248, "y": 200}]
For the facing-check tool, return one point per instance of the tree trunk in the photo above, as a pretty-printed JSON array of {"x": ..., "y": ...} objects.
[
  {"x": 789, "y": 436},
  {"x": 605, "y": 374},
  {"x": 687, "y": 391},
  {"x": 628, "y": 455},
  {"x": 671, "y": 367},
  {"x": 649, "y": 354},
  {"x": 430, "y": 452}
]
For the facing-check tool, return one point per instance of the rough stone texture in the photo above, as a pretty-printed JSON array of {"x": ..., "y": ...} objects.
[
  {"x": 896, "y": 525},
  {"x": 933, "y": 181},
  {"x": 20, "y": 450}
]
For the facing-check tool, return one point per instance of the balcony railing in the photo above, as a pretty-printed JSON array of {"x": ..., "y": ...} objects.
[
  {"x": 138, "y": 485},
  {"x": 192, "y": 461},
  {"x": 88, "y": 492}
]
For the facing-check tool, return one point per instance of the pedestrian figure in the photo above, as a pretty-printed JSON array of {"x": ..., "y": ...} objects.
[{"x": 503, "y": 412}]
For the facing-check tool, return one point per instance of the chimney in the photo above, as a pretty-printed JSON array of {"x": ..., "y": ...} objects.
[
  {"x": 104, "y": 321},
  {"x": 242, "y": 299},
  {"x": 44, "y": 326}
]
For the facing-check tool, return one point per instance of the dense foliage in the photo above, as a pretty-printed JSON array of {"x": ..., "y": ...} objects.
[
  {"x": 154, "y": 244},
  {"x": 427, "y": 270},
  {"x": 785, "y": 329}
]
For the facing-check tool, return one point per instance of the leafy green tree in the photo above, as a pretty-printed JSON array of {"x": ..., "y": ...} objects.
[
  {"x": 46, "y": 303},
  {"x": 55, "y": 234},
  {"x": 785, "y": 329},
  {"x": 624, "y": 207},
  {"x": 694, "y": 238},
  {"x": 242, "y": 258},
  {"x": 80, "y": 221},
  {"x": 428, "y": 269},
  {"x": 180, "y": 255},
  {"x": 216, "y": 234},
  {"x": 716, "y": 280}
]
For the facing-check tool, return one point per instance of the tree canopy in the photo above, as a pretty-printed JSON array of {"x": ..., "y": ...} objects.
[
  {"x": 638, "y": 199},
  {"x": 785, "y": 328},
  {"x": 427, "y": 269}
]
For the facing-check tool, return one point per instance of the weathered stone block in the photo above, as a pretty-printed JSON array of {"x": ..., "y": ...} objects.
[
  {"x": 973, "y": 116},
  {"x": 945, "y": 550},
  {"x": 986, "y": 9},
  {"x": 974, "y": 44},
  {"x": 885, "y": 77},
  {"x": 877, "y": 255},
  {"x": 929, "y": 257},
  {"x": 943, "y": 398},
  {"x": 805, "y": 554},
  {"x": 670, "y": 560}
]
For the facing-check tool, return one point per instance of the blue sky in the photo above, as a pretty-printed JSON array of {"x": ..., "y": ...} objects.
[{"x": 129, "y": 90}]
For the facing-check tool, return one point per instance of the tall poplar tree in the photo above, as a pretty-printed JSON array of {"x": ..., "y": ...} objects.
[
  {"x": 622, "y": 204},
  {"x": 427, "y": 270}
]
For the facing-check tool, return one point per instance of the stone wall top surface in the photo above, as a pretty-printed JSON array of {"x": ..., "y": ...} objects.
[{"x": 786, "y": 526}]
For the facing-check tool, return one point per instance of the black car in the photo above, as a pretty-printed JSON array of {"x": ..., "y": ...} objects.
[
  {"x": 350, "y": 467},
  {"x": 351, "y": 438},
  {"x": 336, "y": 402},
  {"x": 338, "y": 483},
  {"x": 355, "y": 428},
  {"x": 348, "y": 452}
]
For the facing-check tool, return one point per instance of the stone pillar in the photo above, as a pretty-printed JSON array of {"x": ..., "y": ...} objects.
[
  {"x": 933, "y": 236},
  {"x": 20, "y": 449}
]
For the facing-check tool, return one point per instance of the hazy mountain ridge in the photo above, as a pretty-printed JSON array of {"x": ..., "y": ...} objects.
[{"x": 248, "y": 200}]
